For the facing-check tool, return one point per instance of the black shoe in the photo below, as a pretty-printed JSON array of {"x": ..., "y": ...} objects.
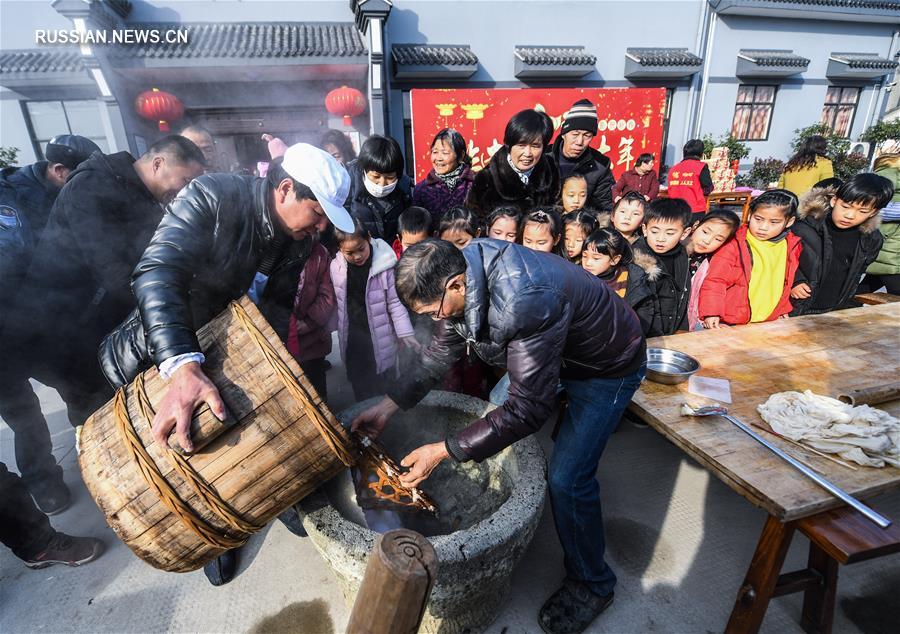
[
  {"x": 291, "y": 519},
  {"x": 572, "y": 608},
  {"x": 221, "y": 569},
  {"x": 327, "y": 365},
  {"x": 67, "y": 550},
  {"x": 52, "y": 497}
]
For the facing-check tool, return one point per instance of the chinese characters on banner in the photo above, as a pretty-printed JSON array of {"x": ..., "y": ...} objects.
[{"x": 630, "y": 119}]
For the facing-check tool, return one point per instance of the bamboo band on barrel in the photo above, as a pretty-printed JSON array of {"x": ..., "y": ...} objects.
[
  {"x": 201, "y": 487},
  {"x": 298, "y": 391},
  {"x": 156, "y": 481}
]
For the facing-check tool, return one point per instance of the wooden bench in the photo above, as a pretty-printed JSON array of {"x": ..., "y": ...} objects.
[
  {"x": 731, "y": 199},
  {"x": 875, "y": 299},
  {"x": 836, "y": 538}
]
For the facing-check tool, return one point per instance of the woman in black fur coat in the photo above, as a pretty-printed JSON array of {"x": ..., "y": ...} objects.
[{"x": 522, "y": 172}]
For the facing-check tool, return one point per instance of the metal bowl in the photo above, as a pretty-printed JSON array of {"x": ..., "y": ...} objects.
[{"x": 670, "y": 366}]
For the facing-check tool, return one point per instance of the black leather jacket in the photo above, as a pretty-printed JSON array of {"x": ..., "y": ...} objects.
[
  {"x": 204, "y": 254},
  {"x": 542, "y": 318}
]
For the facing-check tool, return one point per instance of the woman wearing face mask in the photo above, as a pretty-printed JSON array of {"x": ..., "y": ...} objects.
[
  {"x": 379, "y": 190},
  {"x": 521, "y": 173},
  {"x": 448, "y": 183}
]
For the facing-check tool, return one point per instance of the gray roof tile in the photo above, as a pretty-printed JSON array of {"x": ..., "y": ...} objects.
[
  {"x": 41, "y": 61},
  {"x": 865, "y": 60},
  {"x": 664, "y": 57},
  {"x": 555, "y": 56},
  {"x": 252, "y": 40},
  {"x": 774, "y": 57},
  {"x": 433, "y": 54}
]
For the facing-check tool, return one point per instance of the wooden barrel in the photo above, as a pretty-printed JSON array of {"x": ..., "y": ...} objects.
[{"x": 178, "y": 512}]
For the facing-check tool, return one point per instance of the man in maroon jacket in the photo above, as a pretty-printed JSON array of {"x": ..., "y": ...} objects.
[{"x": 642, "y": 179}]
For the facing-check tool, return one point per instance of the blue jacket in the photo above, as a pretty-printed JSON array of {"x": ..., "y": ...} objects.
[{"x": 26, "y": 197}]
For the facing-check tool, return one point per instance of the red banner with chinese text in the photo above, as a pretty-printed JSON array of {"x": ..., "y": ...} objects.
[{"x": 630, "y": 119}]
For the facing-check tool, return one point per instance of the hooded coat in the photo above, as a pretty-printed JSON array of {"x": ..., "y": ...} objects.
[
  {"x": 541, "y": 318},
  {"x": 388, "y": 319},
  {"x": 670, "y": 294},
  {"x": 597, "y": 171},
  {"x": 726, "y": 290},
  {"x": 887, "y": 262},
  {"x": 80, "y": 276},
  {"x": 432, "y": 194},
  {"x": 814, "y": 210},
  {"x": 643, "y": 272},
  {"x": 499, "y": 184},
  {"x": 312, "y": 319},
  {"x": 378, "y": 215}
]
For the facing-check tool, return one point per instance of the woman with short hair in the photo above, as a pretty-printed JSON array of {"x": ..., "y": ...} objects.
[
  {"x": 448, "y": 183},
  {"x": 521, "y": 172}
]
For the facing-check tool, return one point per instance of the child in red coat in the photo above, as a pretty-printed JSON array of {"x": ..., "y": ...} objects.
[{"x": 750, "y": 277}]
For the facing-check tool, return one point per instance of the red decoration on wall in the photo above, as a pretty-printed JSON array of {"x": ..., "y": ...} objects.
[
  {"x": 158, "y": 105},
  {"x": 631, "y": 120},
  {"x": 345, "y": 102}
]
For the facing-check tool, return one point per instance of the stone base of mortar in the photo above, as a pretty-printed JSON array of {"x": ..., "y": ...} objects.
[{"x": 474, "y": 563}]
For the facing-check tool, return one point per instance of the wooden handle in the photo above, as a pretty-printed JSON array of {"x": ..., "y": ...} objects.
[
  {"x": 871, "y": 395},
  {"x": 205, "y": 428},
  {"x": 401, "y": 571}
]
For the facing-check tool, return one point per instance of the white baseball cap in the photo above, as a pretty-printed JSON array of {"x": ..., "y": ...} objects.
[{"x": 328, "y": 180}]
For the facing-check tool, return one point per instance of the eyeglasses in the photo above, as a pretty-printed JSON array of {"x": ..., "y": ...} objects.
[{"x": 436, "y": 314}]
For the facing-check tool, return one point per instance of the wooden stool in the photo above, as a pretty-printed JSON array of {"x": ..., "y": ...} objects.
[{"x": 839, "y": 537}]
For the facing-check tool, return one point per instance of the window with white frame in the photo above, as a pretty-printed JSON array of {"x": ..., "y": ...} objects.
[
  {"x": 753, "y": 113},
  {"x": 840, "y": 108},
  {"x": 52, "y": 118}
]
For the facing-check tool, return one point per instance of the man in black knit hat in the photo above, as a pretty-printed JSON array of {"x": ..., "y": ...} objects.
[{"x": 573, "y": 155}]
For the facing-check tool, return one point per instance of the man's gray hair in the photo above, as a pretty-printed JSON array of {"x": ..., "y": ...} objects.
[{"x": 422, "y": 272}]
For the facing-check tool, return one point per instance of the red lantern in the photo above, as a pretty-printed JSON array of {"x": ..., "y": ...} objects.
[
  {"x": 345, "y": 102},
  {"x": 160, "y": 106}
]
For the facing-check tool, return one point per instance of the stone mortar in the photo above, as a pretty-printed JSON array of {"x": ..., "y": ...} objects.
[{"x": 475, "y": 563}]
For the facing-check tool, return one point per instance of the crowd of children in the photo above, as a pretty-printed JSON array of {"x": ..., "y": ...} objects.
[{"x": 680, "y": 266}]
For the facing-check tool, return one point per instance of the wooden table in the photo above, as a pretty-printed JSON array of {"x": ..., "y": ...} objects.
[{"x": 826, "y": 354}]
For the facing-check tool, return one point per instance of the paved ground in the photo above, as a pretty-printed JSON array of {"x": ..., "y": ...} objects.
[{"x": 679, "y": 540}]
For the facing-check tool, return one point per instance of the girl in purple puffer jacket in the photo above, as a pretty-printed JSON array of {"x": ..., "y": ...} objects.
[{"x": 371, "y": 319}]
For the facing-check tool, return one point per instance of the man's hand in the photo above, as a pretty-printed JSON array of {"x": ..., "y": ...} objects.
[
  {"x": 188, "y": 389},
  {"x": 422, "y": 462},
  {"x": 801, "y": 291},
  {"x": 412, "y": 343},
  {"x": 372, "y": 421},
  {"x": 712, "y": 323}
]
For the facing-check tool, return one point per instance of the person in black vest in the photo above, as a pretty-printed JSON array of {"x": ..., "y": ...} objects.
[
  {"x": 26, "y": 197},
  {"x": 574, "y": 155}
]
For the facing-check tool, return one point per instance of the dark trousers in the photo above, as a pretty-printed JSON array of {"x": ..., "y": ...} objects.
[
  {"x": 23, "y": 528},
  {"x": 21, "y": 410},
  {"x": 81, "y": 387},
  {"x": 872, "y": 283},
  {"x": 315, "y": 369},
  {"x": 593, "y": 412}
]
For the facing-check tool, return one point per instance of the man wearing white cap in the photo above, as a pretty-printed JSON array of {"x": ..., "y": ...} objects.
[{"x": 219, "y": 232}]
